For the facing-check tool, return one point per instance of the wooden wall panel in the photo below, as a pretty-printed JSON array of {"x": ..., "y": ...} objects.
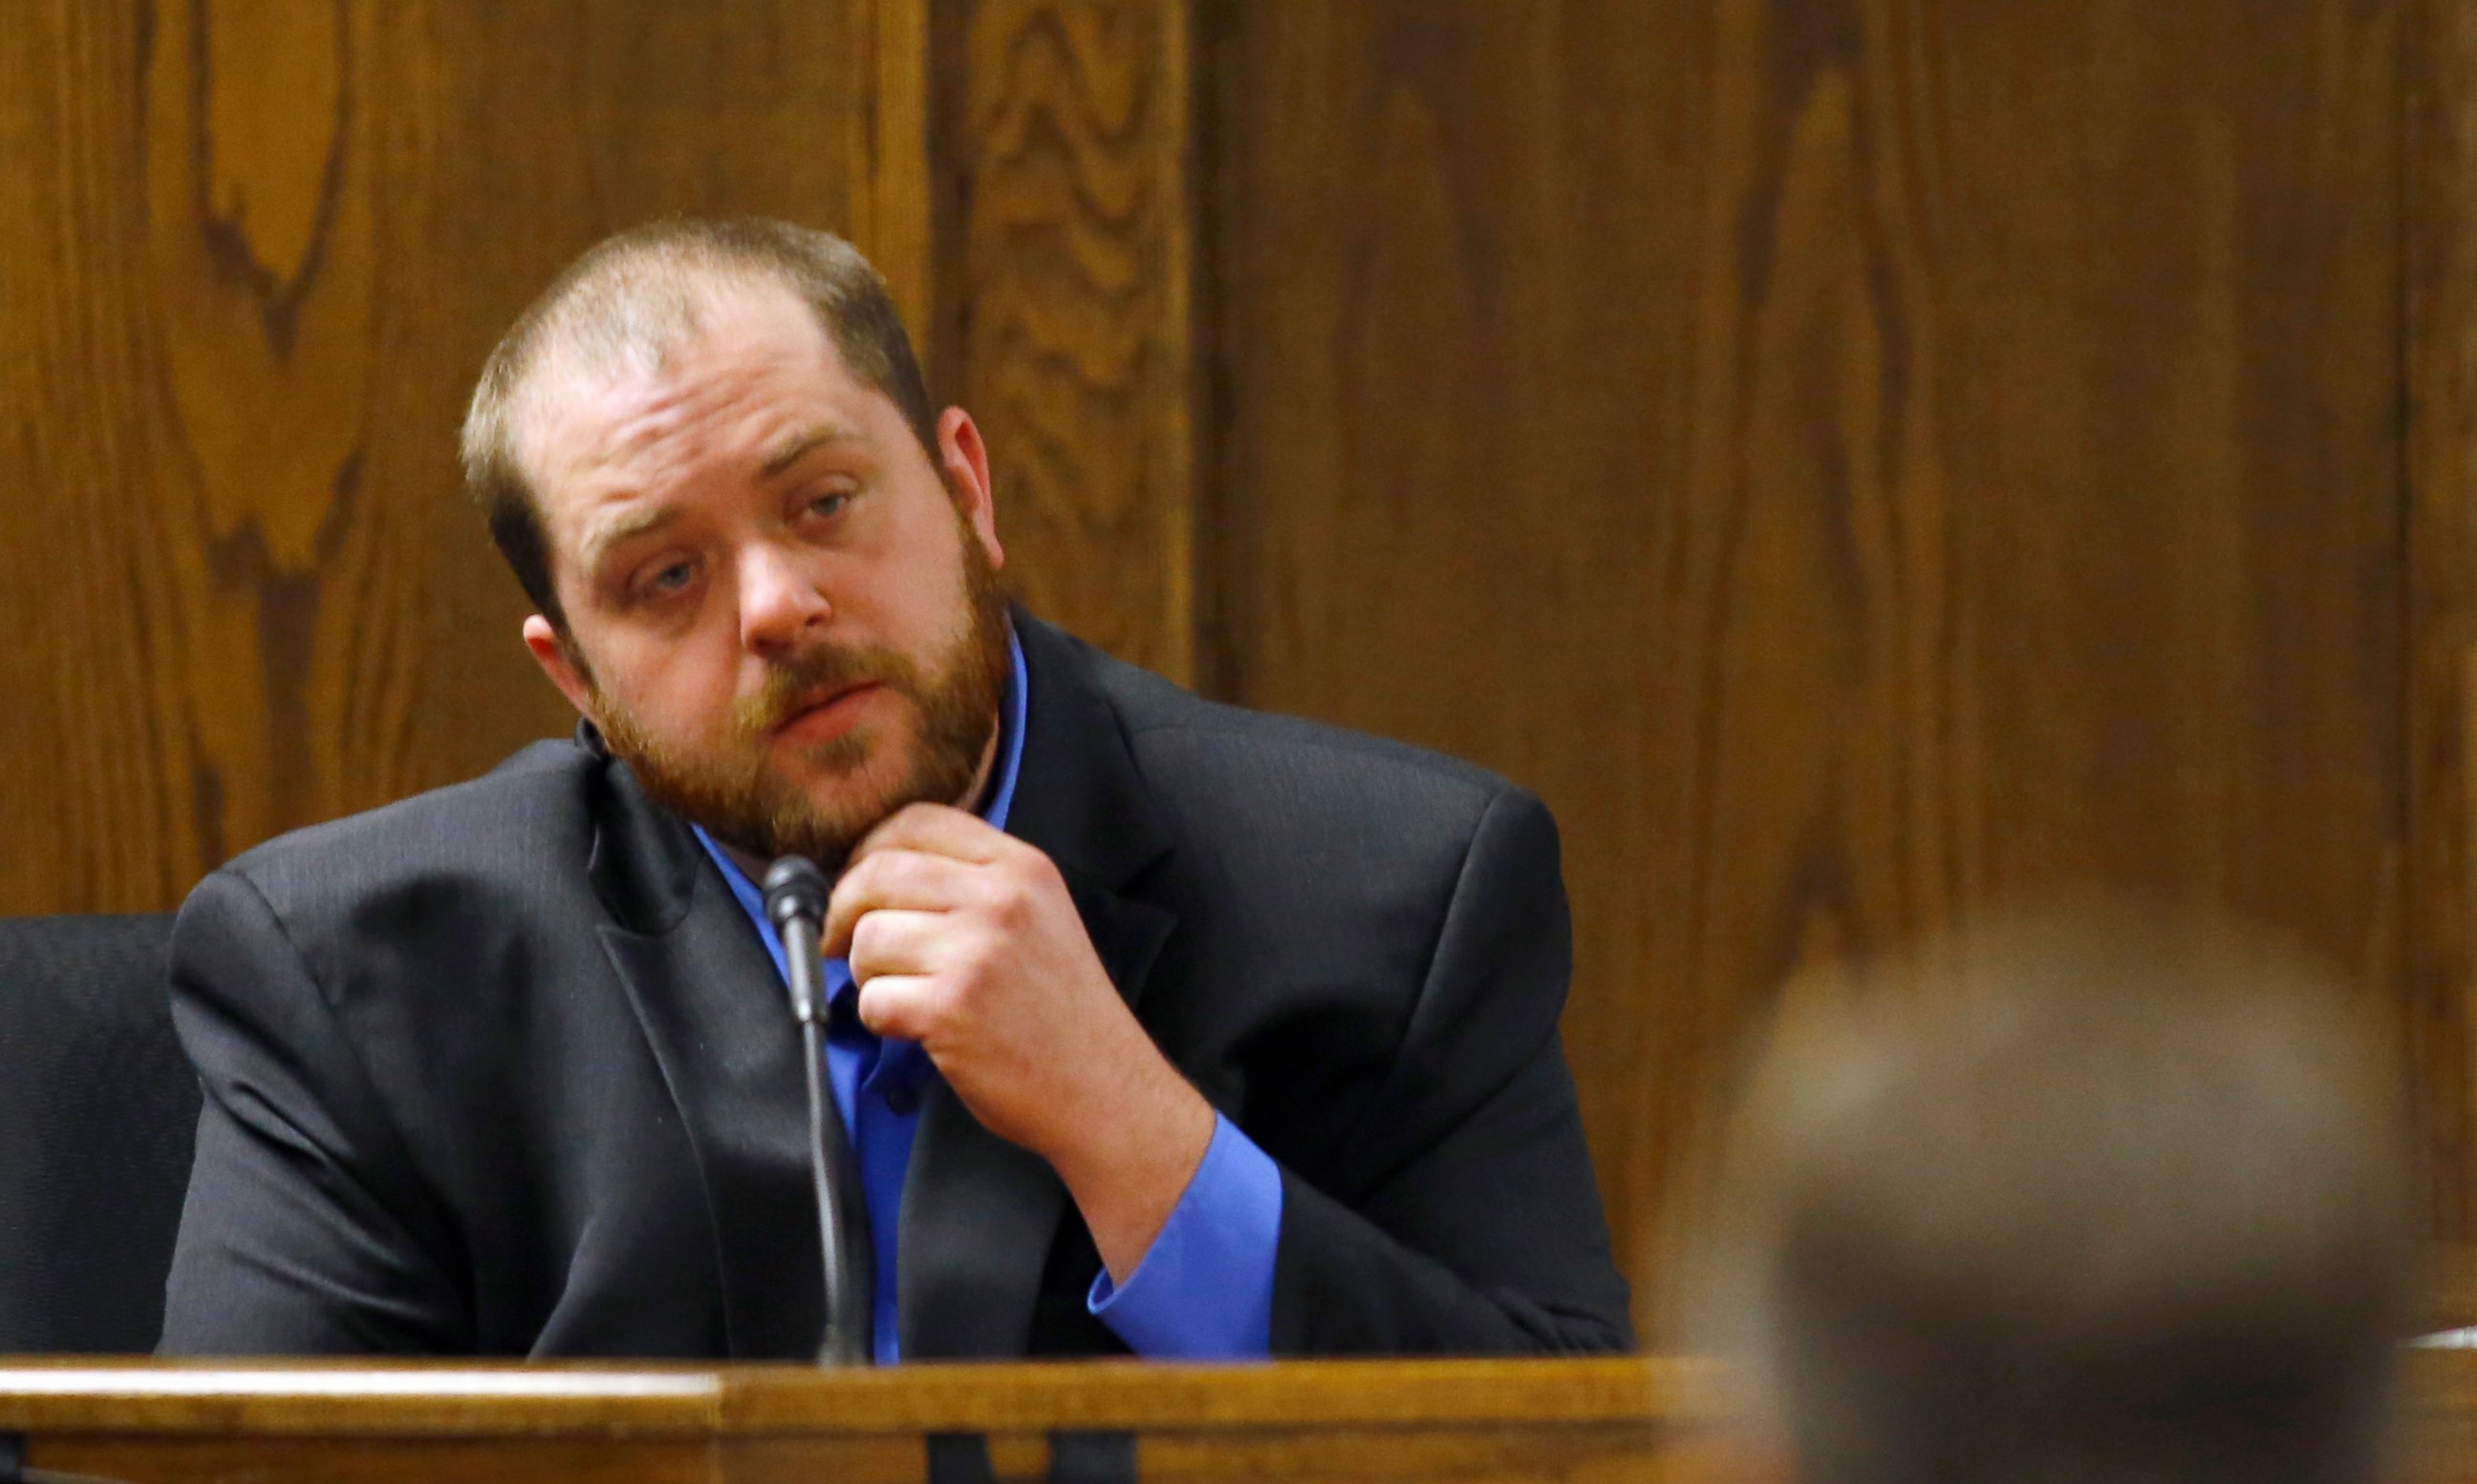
[
  {"x": 254, "y": 256},
  {"x": 2441, "y": 742},
  {"x": 1064, "y": 251},
  {"x": 1860, "y": 459}
]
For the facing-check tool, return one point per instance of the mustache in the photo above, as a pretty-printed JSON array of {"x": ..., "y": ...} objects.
[{"x": 790, "y": 682}]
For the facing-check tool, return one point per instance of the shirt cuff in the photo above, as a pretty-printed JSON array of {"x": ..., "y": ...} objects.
[{"x": 1204, "y": 1290}]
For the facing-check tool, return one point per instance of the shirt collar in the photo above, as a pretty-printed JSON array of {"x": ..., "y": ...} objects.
[{"x": 1012, "y": 708}]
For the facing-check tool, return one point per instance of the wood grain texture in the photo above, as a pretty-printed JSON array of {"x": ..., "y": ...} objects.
[
  {"x": 2441, "y": 1003},
  {"x": 469, "y": 1399},
  {"x": 255, "y": 255},
  {"x": 1064, "y": 236},
  {"x": 394, "y": 1461},
  {"x": 1655, "y": 1418},
  {"x": 1860, "y": 460},
  {"x": 1516, "y": 1421}
]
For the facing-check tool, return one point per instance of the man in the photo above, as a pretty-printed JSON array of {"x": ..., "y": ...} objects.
[
  {"x": 1158, "y": 1025},
  {"x": 2086, "y": 1199}
]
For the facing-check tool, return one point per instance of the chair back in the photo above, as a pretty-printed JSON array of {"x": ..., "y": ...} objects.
[{"x": 98, "y": 1112}]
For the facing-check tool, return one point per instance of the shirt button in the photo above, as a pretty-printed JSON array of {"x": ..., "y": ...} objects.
[{"x": 903, "y": 1100}]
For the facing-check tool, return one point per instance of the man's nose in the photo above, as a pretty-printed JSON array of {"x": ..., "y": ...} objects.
[{"x": 778, "y": 601}]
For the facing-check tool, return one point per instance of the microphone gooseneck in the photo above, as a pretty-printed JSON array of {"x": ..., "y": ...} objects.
[{"x": 795, "y": 903}]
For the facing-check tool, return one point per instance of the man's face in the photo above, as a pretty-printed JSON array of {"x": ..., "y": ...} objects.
[{"x": 780, "y": 612}]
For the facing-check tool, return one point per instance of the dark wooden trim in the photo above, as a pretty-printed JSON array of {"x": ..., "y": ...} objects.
[
  {"x": 1064, "y": 227},
  {"x": 2440, "y": 377}
]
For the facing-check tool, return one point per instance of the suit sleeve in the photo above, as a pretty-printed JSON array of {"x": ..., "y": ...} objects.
[
  {"x": 304, "y": 1231},
  {"x": 1473, "y": 1222}
]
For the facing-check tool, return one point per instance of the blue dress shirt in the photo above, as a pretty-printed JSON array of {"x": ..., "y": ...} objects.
[{"x": 1204, "y": 1291}]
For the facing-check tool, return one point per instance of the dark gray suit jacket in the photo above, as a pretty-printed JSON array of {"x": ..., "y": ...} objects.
[{"x": 504, "y": 1070}]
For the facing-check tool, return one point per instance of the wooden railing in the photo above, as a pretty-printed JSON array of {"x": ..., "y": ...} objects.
[{"x": 1105, "y": 1422}]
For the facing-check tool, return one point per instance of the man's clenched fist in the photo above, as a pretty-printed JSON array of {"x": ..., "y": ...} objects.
[{"x": 964, "y": 939}]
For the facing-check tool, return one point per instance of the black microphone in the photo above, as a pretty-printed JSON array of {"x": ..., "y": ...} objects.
[{"x": 795, "y": 903}]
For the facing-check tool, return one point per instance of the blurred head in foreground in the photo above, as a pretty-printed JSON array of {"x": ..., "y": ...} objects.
[{"x": 2073, "y": 1199}]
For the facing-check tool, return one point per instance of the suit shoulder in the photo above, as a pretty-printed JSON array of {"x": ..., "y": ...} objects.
[
  {"x": 530, "y": 806},
  {"x": 1183, "y": 741}
]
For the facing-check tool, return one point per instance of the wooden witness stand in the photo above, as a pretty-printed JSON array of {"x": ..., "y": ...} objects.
[
  {"x": 166, "y": 1423},
  {"x": 1319, "y": 1423}
]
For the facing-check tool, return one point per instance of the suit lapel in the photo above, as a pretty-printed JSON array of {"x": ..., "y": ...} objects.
[
  {"x": 706, "y": 994},
  {"x": 980, "y": 1214}
]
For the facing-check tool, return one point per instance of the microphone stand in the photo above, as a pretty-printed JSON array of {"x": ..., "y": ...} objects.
[{"x": 795, "y": 902}]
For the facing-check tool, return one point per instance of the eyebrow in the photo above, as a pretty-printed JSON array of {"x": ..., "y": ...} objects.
[
  {"x": 799, "y": 445},
  {"x": 624, "y": 526}
]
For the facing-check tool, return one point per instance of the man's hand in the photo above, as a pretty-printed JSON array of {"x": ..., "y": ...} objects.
[{"x": 964, "y": 939}]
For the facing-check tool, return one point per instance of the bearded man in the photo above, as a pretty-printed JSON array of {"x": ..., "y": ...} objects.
[{"x": 1155, "y": 1025}]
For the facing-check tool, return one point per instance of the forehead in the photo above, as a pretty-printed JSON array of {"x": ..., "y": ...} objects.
[{"x": 749, "y": 366}]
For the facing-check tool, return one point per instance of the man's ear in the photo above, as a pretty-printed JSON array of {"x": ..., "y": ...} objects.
[
  {"x": 967, "y": 464},
  {"x": 551, "y": 653}
]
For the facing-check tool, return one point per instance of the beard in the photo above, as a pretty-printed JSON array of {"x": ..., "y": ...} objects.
[{"x": 733, "y": 788}]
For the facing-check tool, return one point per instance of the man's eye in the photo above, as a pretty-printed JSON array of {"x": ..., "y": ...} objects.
[
  {"x": 829, "y": 505},
  {"x": 667, "y": 579}
]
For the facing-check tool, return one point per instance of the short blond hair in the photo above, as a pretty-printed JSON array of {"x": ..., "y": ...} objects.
[{"x": 2084, "y": 1197}]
